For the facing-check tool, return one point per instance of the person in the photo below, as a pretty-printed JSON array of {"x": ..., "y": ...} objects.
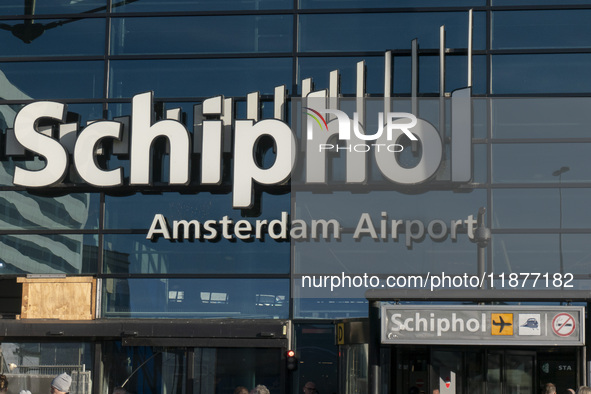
[
  {"x": 569, "y": 391},
  {"x": 584, "y": 390},
  {"x": 435, "y": 391},
  {"x": 260, "y": 389},
  {"x": 61, "y": 384},
  {"x": 3, "y": 384},
  {"x": 119, "y": 390},
  {"x": 240, "y": 390},
  {"x": 24, "y": 392},
  {"x": 549, "y": 388},
  {"x": 310, "y": 388}
]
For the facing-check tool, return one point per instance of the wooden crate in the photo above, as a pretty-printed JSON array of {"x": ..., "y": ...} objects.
[{"x": 68, "y": 298}]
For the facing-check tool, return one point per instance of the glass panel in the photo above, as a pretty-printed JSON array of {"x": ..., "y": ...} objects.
[
  {"x": 135, "y": 254},
  {"x": 318, "y": 356},
  {"x": 576, "y": 250},
  {"x": 15, "y": 7},
  {"x": 539, "y": 2},
  {"x": 211, "y": 34},
  {"x": 526, "y": 253},
  {"x": 541, "y": 29},
  {"x": 50, "y": 37},
  {"x": 329, "y": 308},
  {"x": 353, "y": 377},
  {"x": 182, "y": 298},
  {"x": 447, "y": 366},
  {"x": 25, "y": 211},
  {"x": 575, "y": 208},
  {"x": 223, "y": 370},
  {"x": 384, "y": 3},
  {"x": 34, "y": 365},
  {"x": 525, "y": 208},
  {"x": 519, "y": 374},
  {"x": 49, "y": 254},
  {"x": 493, "y": 374},
  {"x": 537, "y": 163},
  {"x": 199, "y": 77},
  {"x": 546, "y": 73},
  {"x": 52, "y": 80},
  {"x": 198, "y": 5},
  {"x": 200, "y": 206},
  {"x": 149, "y": 369},
  {"x": 380, "y": 32},
  {"x": 547, "y": 117},
  {"x": 475, "y": 383}
]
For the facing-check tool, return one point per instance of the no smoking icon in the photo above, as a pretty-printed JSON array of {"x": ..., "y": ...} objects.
[{"x": 563, "y": 324}]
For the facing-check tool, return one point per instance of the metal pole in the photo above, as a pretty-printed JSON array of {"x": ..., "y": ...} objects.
[
  {"x": 470, "y": 28},
  {"x": 374, "y": 348}
]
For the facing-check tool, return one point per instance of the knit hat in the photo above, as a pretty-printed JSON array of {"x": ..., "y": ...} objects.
[
  {"x": 62, "y": 382},
  {"x": 24, "y": 392}
]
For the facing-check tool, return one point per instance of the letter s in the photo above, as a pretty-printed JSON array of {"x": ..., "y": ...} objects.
[
  {"x": 56, "y": 157},
  {"x": 397, "y": 324}
]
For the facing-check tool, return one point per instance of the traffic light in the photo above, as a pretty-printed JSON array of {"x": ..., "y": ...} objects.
[{"x": 291, "y": 361}]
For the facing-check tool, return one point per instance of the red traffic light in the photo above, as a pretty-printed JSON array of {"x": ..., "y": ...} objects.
[
  {"x": 290, "y": 353},
  {"x": 291, "y": 362}
]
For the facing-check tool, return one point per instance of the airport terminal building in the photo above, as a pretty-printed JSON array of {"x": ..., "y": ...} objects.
[{"x": 191, "y": 188}]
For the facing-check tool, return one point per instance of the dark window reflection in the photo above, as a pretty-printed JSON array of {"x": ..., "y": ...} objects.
[
  {"x": 211, "y": 34},
  {"x": 552, "y": 73},
  {"x": 52, "y": 37},
  {"x": 378, "y": 32},
  {"x": 16, "y": 7},
  {"x": 199, "y": 77},
  {"x": 239, "y": 298},
  {"x": 384, "y": 3},
  {"x": 198, "y": 5},
  {"x": 52, "y": 80}
]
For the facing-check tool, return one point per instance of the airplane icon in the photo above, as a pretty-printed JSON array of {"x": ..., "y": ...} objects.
[{"x": 501, "y": 323}]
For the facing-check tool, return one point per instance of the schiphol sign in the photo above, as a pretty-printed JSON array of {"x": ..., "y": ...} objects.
[
  {"x": 483, "y": 325},
  {"x": 317, "y": 134}
]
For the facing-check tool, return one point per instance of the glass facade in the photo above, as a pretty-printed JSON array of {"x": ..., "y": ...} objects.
[{"x": 530, "y": 165}]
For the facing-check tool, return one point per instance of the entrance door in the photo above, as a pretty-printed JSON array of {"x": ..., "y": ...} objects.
[{"x": 465, "y": 371}]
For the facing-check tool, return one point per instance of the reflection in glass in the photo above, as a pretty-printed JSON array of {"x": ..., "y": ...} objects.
[
  {"x": 384, "y": 3},
  {"x": 541, "y": 117},
  {"x": 159, "y": 298},
  {"x": 526, "y": 253},
  {"x": 525, "y": 208},
  {"x": 535, "y": 162},
  {"x": 136, "y": 254},
  {"x": 541, "y": 29},
  {"x": 52, "y": 80},
  {"x": 202, "y": 34},
  {"x": 376, "y": 32},
  {"x": 198, "y": 77},
  {"x": 542, "y": 73},
  {"x": 52, "y": 37},
  {"x": 15, "y": 7},
  {"x": 198, "y": 5},
  {"x": 48, "y": 254}
]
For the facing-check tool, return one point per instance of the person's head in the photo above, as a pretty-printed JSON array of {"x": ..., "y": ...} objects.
[
  {"x": 61, "y": 384},
  {"x": 549, "y": 388},
  {"x": 310, "y": 388},
  {"x": 569, "y": 391},
  {"x": 435, "y": 391},
  {"x": 584, "y": 390},
  {"x": 240, "y": 390},
  {"x": 260, "y": 389},
  {"x": 3, "y": 384}
]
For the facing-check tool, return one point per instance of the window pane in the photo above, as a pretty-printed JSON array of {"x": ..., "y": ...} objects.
[
  {"x": 548, "y": 117},
  {"x": 539, "y": 2},
  {"x": 204, "y": 34},
  {"x": 52, "y": 80},
  {"x": 25, "y": 211},
  {"x": 199, "y": 77},
  {"x": 526, "y": 253},
  {"x": 198, "y": 5},
  {"x": 525, "y": 208},
  {"x": 553, "y": 73},
  {"x": 201, "y": 206},
  {"x": 15, "y": 7},
  {"x": 379, "y": 32},
  {"x": 49, "y": 37},
  {"x": 541, "y": 29},
  {"x": 49, "y": 254},
  {"x": 385, "y": 3},
  {"x": 135, "y": 254},
  {"x": 180, "y": 298},
  {"x": 534, "y": 163},
  {"x": 576, "y": 249},
  {"x": 38, "y": 363}
]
